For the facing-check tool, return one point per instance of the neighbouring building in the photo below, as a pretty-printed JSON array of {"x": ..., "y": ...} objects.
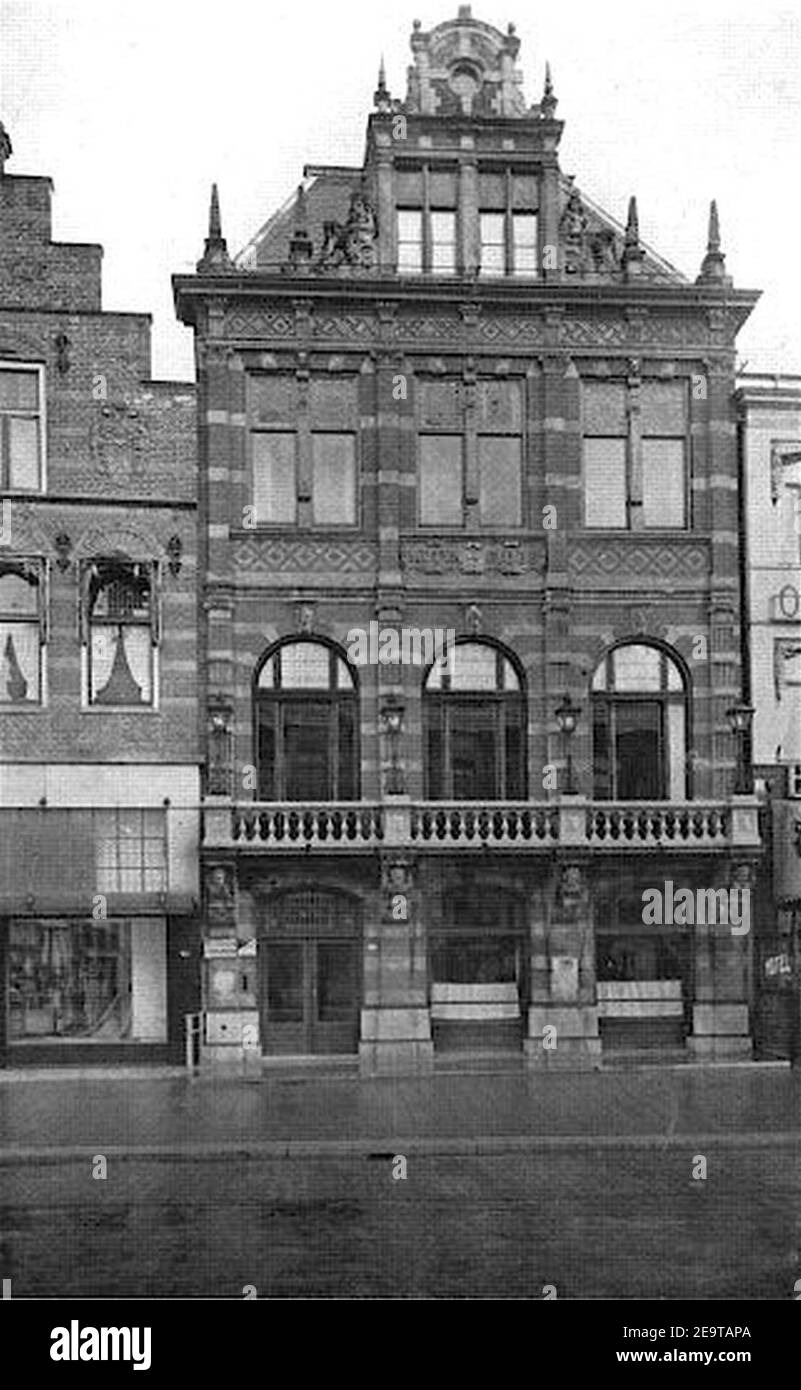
[
  {"x": 445, "y": 391},
  {"x": 98, "y": 731},
  {"x": 770, "y": 434}
]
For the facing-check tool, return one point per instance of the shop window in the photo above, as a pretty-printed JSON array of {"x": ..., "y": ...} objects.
[
  {"x": 306, "y": 714},
  {"x": 475, "y": 726},
  {"x": 120, "y": 633},
  {"x": 76, "y": 980},
  {"x": 22, "y": 632},
  {"x": 21, "y": 428},
  {"x": 639, "y": 707}
]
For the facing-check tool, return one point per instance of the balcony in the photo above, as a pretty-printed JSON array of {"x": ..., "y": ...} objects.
[{"x": 524, "y": 827}]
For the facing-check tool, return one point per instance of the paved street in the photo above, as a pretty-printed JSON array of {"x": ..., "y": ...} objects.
[{"x": 513, "y": 1183}]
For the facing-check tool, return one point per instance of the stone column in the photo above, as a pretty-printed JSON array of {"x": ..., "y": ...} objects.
[
  {"x": 563, "y": 1016},
  {"x": 395, "y": 1023}
]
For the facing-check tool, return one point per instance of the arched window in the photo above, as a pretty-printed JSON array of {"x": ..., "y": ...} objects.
[
  {"x": 306, "y": 714},
  {"x": 639, "y": 706},
  {"x": 475, "y": 726}
]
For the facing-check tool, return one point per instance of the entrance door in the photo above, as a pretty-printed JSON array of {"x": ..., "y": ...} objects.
[{"x": 310, "y": 995}]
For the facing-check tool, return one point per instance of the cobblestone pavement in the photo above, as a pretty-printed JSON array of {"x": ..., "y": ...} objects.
[{"x": 625, "y": 1224}]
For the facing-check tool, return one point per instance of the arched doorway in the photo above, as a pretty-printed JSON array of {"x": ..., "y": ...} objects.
[
  {"x": 640, "y": 725},
  {"x": 474, "y": 713},
  {"x": 310, "y": 972}
]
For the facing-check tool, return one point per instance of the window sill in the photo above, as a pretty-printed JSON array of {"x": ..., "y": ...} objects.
[
  {"x": 291, "y": 528},
  {"x": 119, "y": 709},
  {"x": 30, "y": 708}
]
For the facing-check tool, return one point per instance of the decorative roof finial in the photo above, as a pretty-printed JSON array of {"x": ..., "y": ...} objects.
[
  {"x": 713, "y": 266},
  {"x": 633, "y": 254},
  {"x": 382, "y": 101},
  {"x": 6, "y": 148},
  {"x": 301, "y": 247},
  {"x": 215, "y": 251},
  {"x": 549, "y": 102}
]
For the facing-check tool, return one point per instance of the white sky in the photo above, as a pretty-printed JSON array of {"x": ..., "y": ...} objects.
[{"x": 135, "y": 106}]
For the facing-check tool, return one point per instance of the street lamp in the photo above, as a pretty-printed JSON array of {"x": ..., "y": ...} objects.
[
  {"x": 567, "y": 716},
  {"x": 392, "y": 712},
  {"x": 740, "y": 717}
]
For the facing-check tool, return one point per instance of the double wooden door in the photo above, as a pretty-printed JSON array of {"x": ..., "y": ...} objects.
[{"x": 310, "y": 992}]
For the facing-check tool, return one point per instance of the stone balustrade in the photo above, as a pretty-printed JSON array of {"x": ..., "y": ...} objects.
[{"x": 398, "y": 823}]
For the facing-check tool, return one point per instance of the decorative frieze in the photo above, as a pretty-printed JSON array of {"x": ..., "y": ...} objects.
[
  {"x": 651, "y": 561},
  {"x": 267, "y": 554},
  {"x": 488, "y": 557}
]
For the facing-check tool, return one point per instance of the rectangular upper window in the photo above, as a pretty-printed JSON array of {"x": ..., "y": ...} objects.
[
  {"x": 303, "y": 450},
  {"x": 410, "y": 241},
  {"x": 635, "y": 453},
  {"x": 21, "y": 428},
  {"x": 443, "y": 242},
  {"x": 334, "y": 479},
  {"x": 274, "y": 477},
  {"x": 470, "y": 453},
  {"x": 441, "y": 480},
  {"x": 508, "y": 243}
]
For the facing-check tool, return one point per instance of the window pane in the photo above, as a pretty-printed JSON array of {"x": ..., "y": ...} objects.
[
  {"x": 337, "y": 981},
  {"x": 120, "y": 671},
  {"x": 601, "y": 770},
  {"x": 637, "y": 667},
  {"x": 677, "y": 765},
  {"x": 474, "y": 749},
  {"x": 493, "y": 246},
  {"x": 524, "y": 231},
  {"x": 499, "y": 481},
  {"x": 346, "y": 771},
  {"x": 443, "y": 241},
  {"x": 603, "y": 407},
  {"x": 19, "y": 662},
  {"x": 307, "y": 736},
  {"x": 284, "y": 982},
  {"x": 515, "y": 770},
  {"x": 410, "y": 241},
  {"x": 334, "y": 479},
  {"x": 70, "y": 980},
  {"x": 663, "y": 482},
  {"x": 663, "y": 407},
  {"x": 638, "y": 752},
  {"x": 305, "y": 665},
  {"x": 474, "y": 667},
  {"x": 605, "y": 482},
  {"x": 274, "y": 484},
  {"x": 17, "y": 596},
  {"x": 19, "y": 390},
  {"x": 441, "y": 480},
  {"x": 266, "y": 715},
  {"x": 435, "y": 789},
  {"x": 23, "y": 440}
]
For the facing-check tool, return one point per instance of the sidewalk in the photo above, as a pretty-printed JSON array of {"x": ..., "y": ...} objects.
[{"x": 54, "y": 1116}]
